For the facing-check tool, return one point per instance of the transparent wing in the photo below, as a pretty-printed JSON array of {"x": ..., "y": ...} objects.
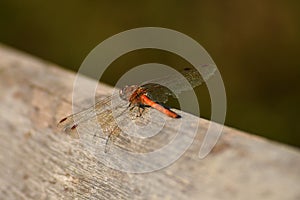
[
  {"x": 98, "y": 114},
  {"x": 98, "y": 126},
  {"x": 159, "y": 89},
  {"x": 157, "y": 92}
]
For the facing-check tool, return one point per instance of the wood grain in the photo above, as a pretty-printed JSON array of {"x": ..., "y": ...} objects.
[{"x": 39, "y": 161}]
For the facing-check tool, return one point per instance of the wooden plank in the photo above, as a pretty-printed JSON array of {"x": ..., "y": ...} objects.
[{"x": 39, "y": 161}]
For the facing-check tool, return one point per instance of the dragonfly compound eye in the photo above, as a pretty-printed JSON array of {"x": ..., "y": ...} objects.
[{"x": 127, "y": 91}]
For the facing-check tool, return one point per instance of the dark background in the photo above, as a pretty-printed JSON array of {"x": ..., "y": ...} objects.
[{"x": 254, "y": 43}]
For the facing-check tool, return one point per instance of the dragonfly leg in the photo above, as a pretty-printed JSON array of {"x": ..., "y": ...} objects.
[
  {"x": 129, "y": 105},
  {"x": 131, "y": 108},
  {"x": 141, "y": 109}
]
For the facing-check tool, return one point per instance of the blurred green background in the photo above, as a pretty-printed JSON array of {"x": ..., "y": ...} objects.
[{"x": 254, "y": 43}]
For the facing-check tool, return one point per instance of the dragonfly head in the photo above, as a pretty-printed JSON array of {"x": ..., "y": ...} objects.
[{"x": 127, "y": 91}]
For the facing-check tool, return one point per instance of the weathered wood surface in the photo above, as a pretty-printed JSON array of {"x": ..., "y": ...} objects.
[{"x": 38, "y": 161}]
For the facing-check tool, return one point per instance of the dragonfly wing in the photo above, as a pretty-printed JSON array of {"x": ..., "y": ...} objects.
[
  {"x": 93, "y": 114},
  {"x": 157, "y": 92},
  {"x": 159, "y": 89}
]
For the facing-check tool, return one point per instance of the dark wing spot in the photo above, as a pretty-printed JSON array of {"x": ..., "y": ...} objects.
[
  {"x": 74, "y": 126},
  {"x": 62, "y": 120},
  {"x": 187, "y": 69}
]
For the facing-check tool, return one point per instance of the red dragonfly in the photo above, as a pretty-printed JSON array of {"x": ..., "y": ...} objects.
[
  {"x": 150, "y": 94},
  {"x": 138, "y": 96}
]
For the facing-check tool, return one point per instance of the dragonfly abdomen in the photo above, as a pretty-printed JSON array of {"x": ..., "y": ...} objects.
[{"x": 146, "y": 101}]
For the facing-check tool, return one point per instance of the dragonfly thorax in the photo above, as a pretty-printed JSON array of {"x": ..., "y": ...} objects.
[{"x": 127, "y": 91}]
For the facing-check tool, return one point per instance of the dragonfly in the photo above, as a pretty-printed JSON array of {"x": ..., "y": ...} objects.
[{"x": 153, "y": 93}]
